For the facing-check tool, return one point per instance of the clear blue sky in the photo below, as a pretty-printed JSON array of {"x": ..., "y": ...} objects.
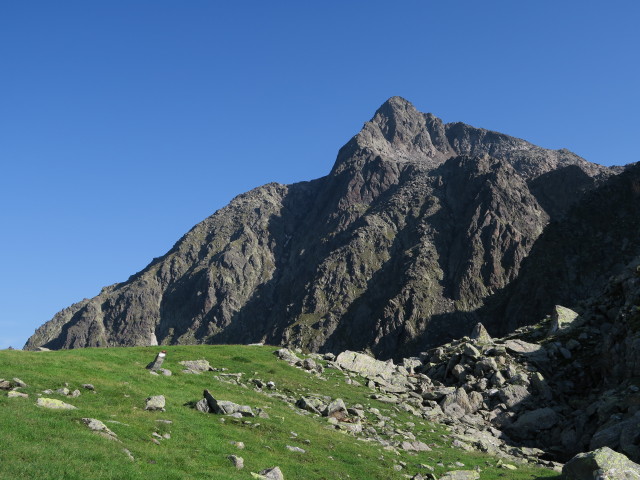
[{"x": 124, "y": 123}]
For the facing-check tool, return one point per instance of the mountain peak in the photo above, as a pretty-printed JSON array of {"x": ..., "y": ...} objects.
[{"x": 396, "y": 105}]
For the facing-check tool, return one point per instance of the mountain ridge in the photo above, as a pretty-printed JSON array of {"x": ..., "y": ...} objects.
[{"x": 416, "y": 224}]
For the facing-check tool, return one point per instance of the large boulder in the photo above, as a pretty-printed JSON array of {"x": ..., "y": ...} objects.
[
  {"x": 533, "y": 421},
  {"x": 365, "y": 365},
  {"x": 562, "y": 319},
  {"x": 603, "y": 463},
  {"x": 392, "y": 378},
  {"x": 480, "y": 334}
]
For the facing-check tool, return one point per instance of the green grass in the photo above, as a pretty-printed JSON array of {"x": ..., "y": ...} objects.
[{"x": 50, "y": 444}]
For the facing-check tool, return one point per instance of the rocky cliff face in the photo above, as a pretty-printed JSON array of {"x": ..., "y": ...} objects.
[{"x": 417, "y": 228}]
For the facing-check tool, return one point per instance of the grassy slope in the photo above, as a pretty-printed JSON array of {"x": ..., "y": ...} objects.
[{"x": 48, "y": 444}]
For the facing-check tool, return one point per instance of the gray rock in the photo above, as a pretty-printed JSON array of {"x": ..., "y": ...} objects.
[
  {"x": 461, "y": 475},
  {"x": 5, "y": 384},
  {"x": 88, "y": 386},
  {"x": 562, "y": 319},
  {"x": 224, "y": 407},
  {"x": 456, "y": 404},
  {"x": 237, "y": 461},
  {"x": 100, "y": 428},
  {"x": 14, "y": 394},
  {"x": 155, "y": 403},
  {"x": 309, "y": 364},
  {"x": 336, "y": 408},
  {"x": 373, "y": 369},
  {"x": 311, "y": 404},
  {"x": 157, "y": 363},
  {"x": 601, "y": 464},
  {"x": 295, "y": 449},
  {"x": 514, "y": 395},
  {"x": 415, "y": 446},
  {"x": 480, "y": 334},
  {"x": 273, "y": 473},
  {"x": 203, "y": 406},
  {"x": 534, "y": 421},
  {"x": 196, "y": 366},
  {"x": 19, "y": 383},
  {"x": 54, "y": 404},
  {"x": 287, "y": 355},
  {"x": 522, "y": 347}
]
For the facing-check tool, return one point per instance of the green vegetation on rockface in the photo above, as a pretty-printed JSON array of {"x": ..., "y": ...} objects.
[{"x": 55, "y": 444}]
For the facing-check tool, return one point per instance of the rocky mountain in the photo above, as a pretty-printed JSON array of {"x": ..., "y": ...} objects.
[{"x": 420, "y": 229}]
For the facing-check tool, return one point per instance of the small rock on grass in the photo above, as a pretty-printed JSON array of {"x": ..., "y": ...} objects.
[
  {"x": 100, "y": 428},
  {"x": 237, "y": 462},
  {"x": 19, "y": 383},
  {"x": 155, "y": 403},
  {"x": 14, "y": 394},
  {"x": 461, "y": 475},
  {"x": 273, "y": 473},
  {"x": 129, "y": 454},
  {"x": 295, "y": 449},
  {"x": 54, "y": 404}
]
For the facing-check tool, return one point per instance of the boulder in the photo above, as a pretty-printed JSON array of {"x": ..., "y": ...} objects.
[
  {"x": 532, "y": 421},
  {"x": 19, "y": 383},
  {"x": 273, "y": 473},
  {"x": 14, "y": 394},
  {"x": 155, "y": 403},
  {"x": 157, "y": 362},
  {"x": 461, "y": 475},
  {"x": 456, "y": 404},
  {"x": 562, "y": 319},
  {"x": 514, "y": 395},
  {"x": 196, "y": 366},
  {"x": 480, "y": 334},
  {"x": 336, "y": 409},
  {"x": 203, "y": 406},
  {"x": 100, "y": 428},
  {"x": 311, "y": 404},
  {"x": 621, "y": 435},
  {"x": 54, "y": 404},
  {"x": 224, "y": 407},
  {"x": 521, "y": 347},
  {"x": 287, "y": 355},
  {"x": 367, "y": 366},
  {"x": 415, "y": 446},
  {"x": 602, "y": 463},
  {"x": 237, "y": 462}
]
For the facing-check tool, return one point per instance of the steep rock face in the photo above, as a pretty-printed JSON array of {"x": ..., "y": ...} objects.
[
  {"x": 416, "y": 225},
  {"x": 575, "y": 257}
]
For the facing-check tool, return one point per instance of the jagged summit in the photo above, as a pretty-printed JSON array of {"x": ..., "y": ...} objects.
[
  {"x": 417, "y": 226},
  {"x": 398, "y": 132}
]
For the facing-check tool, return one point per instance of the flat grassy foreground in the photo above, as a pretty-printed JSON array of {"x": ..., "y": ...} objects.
[{"x": 38, "y": 443}]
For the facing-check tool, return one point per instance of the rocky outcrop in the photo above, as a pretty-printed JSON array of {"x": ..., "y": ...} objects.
[
  {"x": 418, "y": 225},
  {"x": 603, "y": 464}
]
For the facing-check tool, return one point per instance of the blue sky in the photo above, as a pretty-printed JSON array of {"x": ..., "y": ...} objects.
[{"x": 124, "y": 123}]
